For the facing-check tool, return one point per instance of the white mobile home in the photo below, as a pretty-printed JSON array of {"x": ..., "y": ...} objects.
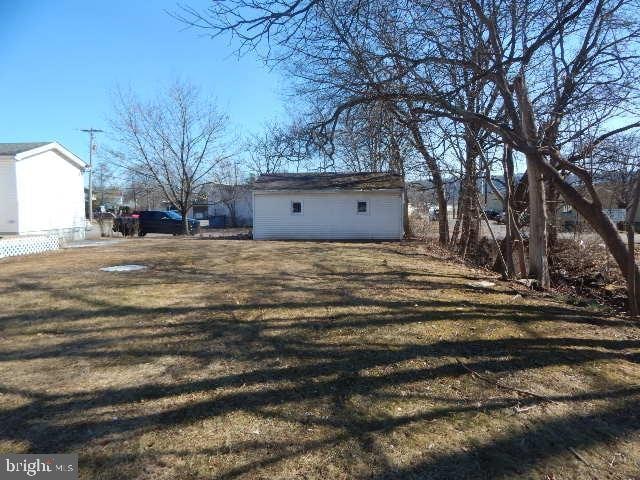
[
  {"x": 332, "y": 206},
  {"x": 41, "y": 190}
]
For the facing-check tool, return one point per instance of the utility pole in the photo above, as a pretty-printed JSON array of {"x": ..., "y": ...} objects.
[{"x": 91, "y": 132}]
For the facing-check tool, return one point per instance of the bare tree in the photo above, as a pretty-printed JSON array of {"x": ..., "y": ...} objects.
[
  {"x": 278, "y": 148},
  {"x": 564, "y": 73},
  {"x": 175, "y": 141},
  {"x": 104, "y": 179},
  {"x": 229, "y": 188}
]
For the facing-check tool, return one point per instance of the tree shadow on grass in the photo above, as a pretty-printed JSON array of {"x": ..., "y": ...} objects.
[
  {"x": 337, "y": 345},
  {"x": 522, "y": 454}
]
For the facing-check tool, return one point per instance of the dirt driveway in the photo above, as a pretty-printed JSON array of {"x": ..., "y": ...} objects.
[{"x": 271, "y": 360}]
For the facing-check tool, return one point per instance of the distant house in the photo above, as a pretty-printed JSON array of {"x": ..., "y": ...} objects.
[
  {"x": 224, "y": 205},
  {"x": 615, "y": 197},
  {"x": 107, "y": 198},
  {"x": 328, "y": 206},
  {"x": 41, "y": 190},
  {"x": 489, "y": 199}
]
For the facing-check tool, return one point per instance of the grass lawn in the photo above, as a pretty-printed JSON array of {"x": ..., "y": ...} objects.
[{"x": 271, "y": 360}]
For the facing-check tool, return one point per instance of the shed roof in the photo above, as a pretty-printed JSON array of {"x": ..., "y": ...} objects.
[
  {"x": 16, "y": 148},
  {"x": 329, "y": 181}
]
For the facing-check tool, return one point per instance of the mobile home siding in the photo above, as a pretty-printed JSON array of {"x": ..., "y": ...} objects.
[
  {"x": 328, "y": 215},
  {"x": 8, "y": 196},
  {"x": 50, "y": 193}
]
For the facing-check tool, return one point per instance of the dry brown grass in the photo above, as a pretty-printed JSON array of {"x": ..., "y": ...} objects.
[{"x": 241, "y": 359}]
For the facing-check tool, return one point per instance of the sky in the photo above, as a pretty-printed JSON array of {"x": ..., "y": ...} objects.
[{"x": 60, "y": 62}]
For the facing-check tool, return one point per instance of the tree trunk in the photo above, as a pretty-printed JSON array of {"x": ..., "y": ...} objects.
[
  {"x": 443, "y": 214},
  {"x": 601, "y": 223},
  {"x": 464, "y": 213},
  {"x": 185, "y": 222},
  {"x": 456, "y": 231},
  {"x": 233, "y": 217},
  {"x": 405, "y": 215},
  {"x": 511, "y": 227},
  {"x": 538, "y": 261},
  {"x": 633, "y": 288},
  {"x": 515, "y": 229},
  {"x": 506, "y": 246},
  {"x": 504, "y": 269},
  {"x": 632, "y": 284},
  {"x": 453, "y": 241},
  {"x": 612, "y": 239},
  {"x": 470, "y": 211},
  {"x": 474, "y": 224},
  {"x": 438, "y": 184},
  {"x": 551, "y": 194}
]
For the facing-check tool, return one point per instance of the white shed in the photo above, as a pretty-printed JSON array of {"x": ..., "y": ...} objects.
[
  {"x": 41, "y": 190},
  {"x": 331, "y": 206}
]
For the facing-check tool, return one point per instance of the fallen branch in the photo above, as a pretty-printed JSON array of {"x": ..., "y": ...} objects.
[
  {"x": 523, "y": 409},
  {"x": 580, "y": 457},
  {"x": 504, "y": 387}
]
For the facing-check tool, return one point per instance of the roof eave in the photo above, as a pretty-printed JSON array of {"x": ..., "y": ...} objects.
[
  {"x": 53, "y": 146},
  {"x": 276, "y": 190}
]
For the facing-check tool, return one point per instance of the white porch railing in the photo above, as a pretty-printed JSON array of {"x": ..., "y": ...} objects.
[{"x": 14, "y": 246}]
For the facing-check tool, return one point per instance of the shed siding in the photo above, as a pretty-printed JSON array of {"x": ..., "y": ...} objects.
[
  {"x": 8, "y": 196},
  {"x": 50, "y": 194},
  {"x": 328, "y": 215}
]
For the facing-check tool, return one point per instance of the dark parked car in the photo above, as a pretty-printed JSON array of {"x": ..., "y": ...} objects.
[
  {"x": 155, "y": 221},
  {"x": 492, "y": 214}
]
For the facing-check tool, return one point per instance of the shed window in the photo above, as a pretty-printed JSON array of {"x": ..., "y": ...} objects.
[
  {"x": 363, "y": 207},
  {"x": 296, "y": 207}
]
